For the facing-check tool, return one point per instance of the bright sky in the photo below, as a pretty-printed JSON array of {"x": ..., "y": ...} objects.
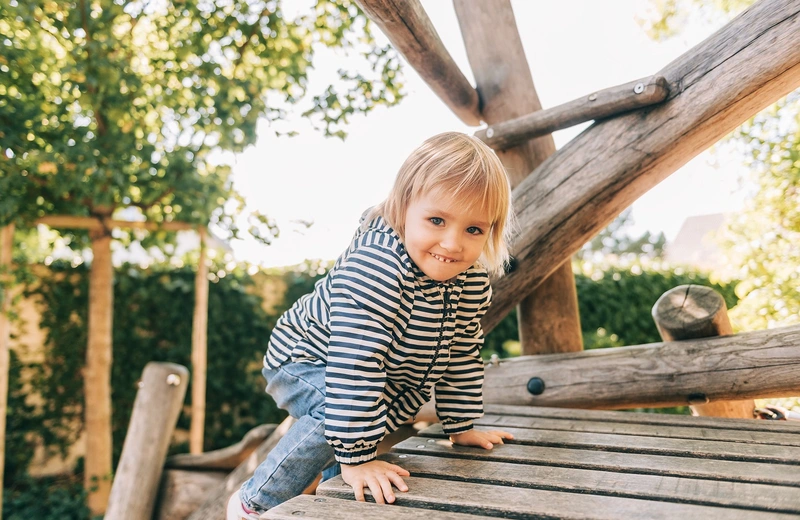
[{"x": 574, "y": 47}]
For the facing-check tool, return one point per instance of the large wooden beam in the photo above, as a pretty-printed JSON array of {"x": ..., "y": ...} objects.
[
  {"x": 744, "y": 366},
  {"x": 597, "y": 105},
  {"x": 411, "y": 32},
  {"x": 548, "y": 319},
  {"x": 739, "y": 70}
]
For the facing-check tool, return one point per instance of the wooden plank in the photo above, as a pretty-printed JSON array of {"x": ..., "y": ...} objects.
[
  {"x": 722, "y": 450},
  {"x": 597, "y": 105},
  {"x": 411, "y": 32},
  {"x": 225, "y": 458},
  {"x": 508, "y": 502},
  {"x": 749, "y": 365},
  {"x": 199, "y": 350},
  {"x": 742, "y": 68},
  {"x": 652, "y": 487},
  {"x": 693, "y": 312},
  {"x": 155, "y": 413},
  {"x": 183, "y": 491},
  {"x": 548, "y": 319},
  {"x": 673, "y": 432},
  {"x": 328, "y": 508},
  {"x": 644, "y": 464},
  {"x": 607, "y": 416}
]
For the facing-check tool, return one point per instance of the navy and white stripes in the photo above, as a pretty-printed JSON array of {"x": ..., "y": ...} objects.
[{"x": 389, "y": 337}]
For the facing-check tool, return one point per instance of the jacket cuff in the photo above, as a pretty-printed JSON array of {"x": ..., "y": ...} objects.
[
  {"x": 355, "y": 457},
  {"x": 451, "y": 428}
]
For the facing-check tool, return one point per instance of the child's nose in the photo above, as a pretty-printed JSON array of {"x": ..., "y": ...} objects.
[{"x": 451, "y": 243}]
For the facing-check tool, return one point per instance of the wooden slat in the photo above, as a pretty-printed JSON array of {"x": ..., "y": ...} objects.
[
  {"x": 721, "y": 450},
  {"x": 411, "y": 32},
  {"x": 642, "y": 418},
  {"x": 598, "y": 105},
  {"x": 649, "y": 430},
  {"x": 749, "y": 365},
  {"x": 652, "y": 487},
  {"x": 328, "y": 508},
  {"x": 646, "y": 464},
  {"x": 225, "y": 458},
  {"x": 717, "y": 85},
  {"x": 493, "y": 500}
]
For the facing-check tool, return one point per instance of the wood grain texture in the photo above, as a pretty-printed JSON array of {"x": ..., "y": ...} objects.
[
  {"x": 721, "y": 82},
  {"x": 491, "y": 500},
  {"x": 183, "y": 491},
  {"x": 671, "y": 489},
  {"x": 749, "y": 365},
  {"x": 598, "y": 105},
  {"x": 155, "y": 413},
  {"x": 411, "y": 32},
  {"x": 614, "y": 461},
  {"x": 328, "y": 508},
  {"x": 693, "y": 312},
  {"x": 225, "y": 458},
  {"x": 214, "y": 506},
  {"x": 199, "y": 350},
  {"x": 548, "y": 319}
]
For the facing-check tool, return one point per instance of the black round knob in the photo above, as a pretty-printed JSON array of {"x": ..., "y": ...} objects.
[{"x": 536, "y": 385}]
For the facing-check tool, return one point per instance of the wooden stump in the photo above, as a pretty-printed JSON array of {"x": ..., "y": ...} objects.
[
  {"x": 155, "y": 412},
  {"x": 694, "y": 312}
]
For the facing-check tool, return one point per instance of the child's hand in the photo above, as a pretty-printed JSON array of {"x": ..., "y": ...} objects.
[
  {"x": 480, "y": 438},
  {"x": 378, "y": 476}
]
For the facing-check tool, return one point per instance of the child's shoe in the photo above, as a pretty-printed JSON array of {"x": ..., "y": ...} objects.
[{"x": 237, "y": 510}]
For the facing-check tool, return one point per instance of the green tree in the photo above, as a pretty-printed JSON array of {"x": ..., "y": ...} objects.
[
  {"x": 615, "y": 242},
  {"x": 111, "y": 105}
]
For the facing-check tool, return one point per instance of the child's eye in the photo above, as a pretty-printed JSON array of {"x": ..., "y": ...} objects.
[
  {"x": 473, "y": 230},
  {"x": 437, "y": 221}
]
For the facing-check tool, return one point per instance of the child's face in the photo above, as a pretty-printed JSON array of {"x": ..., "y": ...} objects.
[{"x": 444, "y": 236}]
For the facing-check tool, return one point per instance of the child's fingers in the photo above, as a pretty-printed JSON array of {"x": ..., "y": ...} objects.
[
  {"x": 386, "y": 488},
  {"x": 398, "y": 482},
  {"x": 375, "y": 488},
  {"x": 359, "y": 492},
  {"x": 400, "y": 471}
]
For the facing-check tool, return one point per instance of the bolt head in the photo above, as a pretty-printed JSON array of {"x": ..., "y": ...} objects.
[
  {"x": 592, "y": 97},
  {"x": 639, "y": 88},
  {"x": 173, "y": 380},
  {"x": 489, "y": 132}
]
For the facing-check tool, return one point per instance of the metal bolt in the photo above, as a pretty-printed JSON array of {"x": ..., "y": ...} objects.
[
  {"x": 489, "y": 132},
  {"x": 431, "y": 441},
  {"x": 420, "y": 446},
  {"x": 298, "y": 513},
  {"x": 639, "y": 88},
  {"x": 173, "y": 380},
  {"x": 403, "y": 456},
  {"x": 140, "y": 384},
  {"x": 535, "y": 385},
  {"x": 494, "y": 361},
  {"x": 592, "y": 97},
  {"x": 319, "y": 500}
]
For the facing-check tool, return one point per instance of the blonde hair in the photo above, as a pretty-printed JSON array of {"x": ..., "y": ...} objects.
[{"x": 466, "y": 168}]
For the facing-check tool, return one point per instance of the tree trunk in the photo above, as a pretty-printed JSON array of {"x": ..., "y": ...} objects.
[
  {"x": 97, "y": 381},
  {"x": 548, "y": 317},
  {"x": 6, "y": 248},
  {"x": 199, "y": 350}
]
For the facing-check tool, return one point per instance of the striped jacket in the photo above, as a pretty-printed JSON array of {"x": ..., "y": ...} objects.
[{"x": 390, "y": 337}]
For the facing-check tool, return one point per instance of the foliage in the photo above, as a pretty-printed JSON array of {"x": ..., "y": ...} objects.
[
  {"x": 615, "y": 241},
  {"x": 28, "y": 498},
  {"x": 125, "y": 104}
]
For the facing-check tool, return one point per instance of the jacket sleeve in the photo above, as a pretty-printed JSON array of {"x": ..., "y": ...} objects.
[
  {"x": 364, "y": 301},
  {"x": 459, "y": 394}
]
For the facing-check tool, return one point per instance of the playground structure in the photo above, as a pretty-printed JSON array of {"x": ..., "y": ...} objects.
[{"x": 643, "y": 132}]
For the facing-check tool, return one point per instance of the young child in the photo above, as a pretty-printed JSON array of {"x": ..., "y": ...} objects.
[{"x": 395, "y": 322}]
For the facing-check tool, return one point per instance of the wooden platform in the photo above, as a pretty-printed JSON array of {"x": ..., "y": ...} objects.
[{"x": 586, "y": 464}]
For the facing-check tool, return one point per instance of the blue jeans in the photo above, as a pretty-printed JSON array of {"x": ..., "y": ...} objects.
[{"x": 303, "y": 452}]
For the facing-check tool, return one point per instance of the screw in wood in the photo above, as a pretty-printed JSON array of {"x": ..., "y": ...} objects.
[
  {"x": 536, "y": 385},
  {"x": 592, "y": 97},
  {"x": 173, "y": 380},
  {"x": 639, "y": 88},
  {"x": 489, "y": 132}
]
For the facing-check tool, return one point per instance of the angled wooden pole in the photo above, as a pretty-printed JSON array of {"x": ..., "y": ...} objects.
[
  {"x": 199, "y": 350},
  {"x": 739, "y": 70},
  {"x": 548, "y": 318},
  {"x": 411, "y": 32},
  {"x": 6, "y": 249}
]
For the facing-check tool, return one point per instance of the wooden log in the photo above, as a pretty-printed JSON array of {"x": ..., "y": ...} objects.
[
  {"x": 6, "y": 250},
  {"x": 92, "y": 223},
  {"x": 597, "y": 105},
  {"x": 745, "y": 366},
  {"x": 214, "y": 506},
  {"x": 225, "y": 458},
  {"x": 721, "y": 82},
  {"x": 411, "y": 32},
  {"x": 199, "y": 350},
  {"x": 155, "y": 413},
  {"x": 97, "y": 374},
  {"x": 548, "y": 319},
  {"x": 182, "y": 491},
  {"x": 694, "y": 312}
]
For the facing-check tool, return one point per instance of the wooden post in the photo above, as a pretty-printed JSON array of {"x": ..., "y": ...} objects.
[
  {"x": 548, "y": 318},
  {"x": 6, "y": 248},
  {"x": 214, "y": 507},
  {"x": 694, "y": 312},
  {"x": 155, "y": 412},
  {"x": 97, "y": 380},
  {"x": 199, "y": 350}
]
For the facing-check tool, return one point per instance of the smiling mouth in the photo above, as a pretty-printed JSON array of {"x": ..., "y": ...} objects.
[{"x": 442, "y": 258}]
